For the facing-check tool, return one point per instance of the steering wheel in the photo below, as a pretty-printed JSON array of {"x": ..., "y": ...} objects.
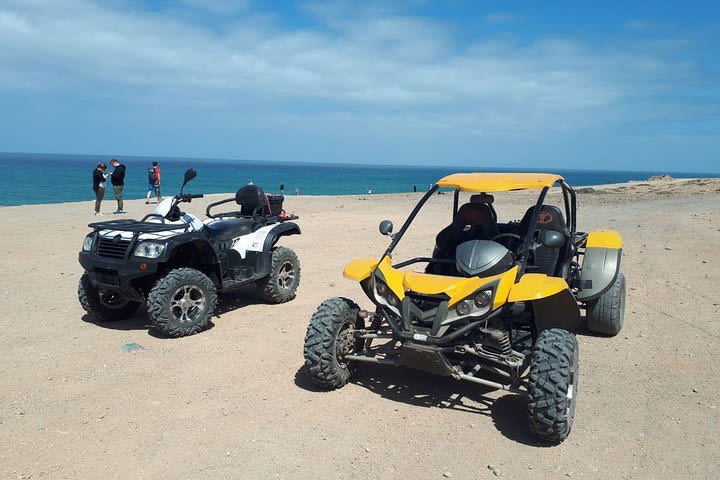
[{"x": 508, "y": 236}]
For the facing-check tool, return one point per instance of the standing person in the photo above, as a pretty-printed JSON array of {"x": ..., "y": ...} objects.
[
  {"x": 99, "y": 177},
  {"x": 282, "y": 188},
  {"x": 415, "y": 188},
  {"x": 118, "y": 182},
  {"x": 157, "y": 184},
  {"x": 153, "y": 183}
]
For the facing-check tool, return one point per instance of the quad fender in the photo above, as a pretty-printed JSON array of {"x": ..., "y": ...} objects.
[
  {"x": 197, "y": 254},
  {"x": 273, "y": 235},
  {"x": 552, "y": 302},
  {"x": 601, "y": 264}
]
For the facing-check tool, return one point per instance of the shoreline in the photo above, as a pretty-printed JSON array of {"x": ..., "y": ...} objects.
[{"x": 636, "y": 185}]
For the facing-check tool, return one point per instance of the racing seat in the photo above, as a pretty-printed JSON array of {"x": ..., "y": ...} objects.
[
  {"x": 473, "y": 221},
  {"x": 553, "y": 262}
]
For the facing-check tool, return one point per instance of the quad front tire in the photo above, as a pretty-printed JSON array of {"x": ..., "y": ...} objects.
[
  {"x": 182, "y": 302},
  {"x": 330, "y": 336},
  {"x": 552, "y": 384},
  {"x": 280, "y": 285},
  {"x": 605, "y": 314},
  {"x": 106, "y": 305}
]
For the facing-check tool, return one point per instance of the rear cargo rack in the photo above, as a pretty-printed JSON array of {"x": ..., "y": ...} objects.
[{"x": 137, "y": 226}]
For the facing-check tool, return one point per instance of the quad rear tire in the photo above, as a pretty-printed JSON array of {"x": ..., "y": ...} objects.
[
  {"x": 182, "y": 302},
  {"x": 104, "y": 306},
  {"x": 284, "y": 277},
  {"x": 330, "y": 336},
  {"x": 552, "y": 384},
  {"x": 605, "y": 315}
]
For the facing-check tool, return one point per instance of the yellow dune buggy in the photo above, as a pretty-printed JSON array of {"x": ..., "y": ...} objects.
[{"x": 497, "y": 304}]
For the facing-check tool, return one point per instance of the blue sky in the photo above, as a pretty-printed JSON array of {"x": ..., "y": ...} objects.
[{"x": 616, "y": 85}]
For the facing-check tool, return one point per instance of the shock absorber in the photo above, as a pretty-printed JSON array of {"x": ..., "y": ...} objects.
[{"x": 502, "y": 341}]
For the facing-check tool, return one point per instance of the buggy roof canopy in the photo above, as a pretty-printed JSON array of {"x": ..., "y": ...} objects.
[{"x": 499, "y": 182}]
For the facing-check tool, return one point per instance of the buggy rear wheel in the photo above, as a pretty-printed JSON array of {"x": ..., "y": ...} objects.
[
  {"x": 553, "y": 384},
  {"x": 606, "y": 314},
  {"x": 284, "y": 277},
  {"x": 330, "y": 337},
  {"x": 103, "y": 305},
  {"x": 182, "y": 302}
]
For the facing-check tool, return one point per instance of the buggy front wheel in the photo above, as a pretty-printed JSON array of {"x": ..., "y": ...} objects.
[
  {"x": 553, "y": 384},
  {"x": 330, "y": 337}
]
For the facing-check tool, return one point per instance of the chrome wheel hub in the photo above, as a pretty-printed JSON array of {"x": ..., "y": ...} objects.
[
  {"x": 286, "y": 275},
  {"x": 187, "y": 303}
]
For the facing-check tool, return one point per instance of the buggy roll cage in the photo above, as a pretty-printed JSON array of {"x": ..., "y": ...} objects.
[{"x": 569, "y": 199}]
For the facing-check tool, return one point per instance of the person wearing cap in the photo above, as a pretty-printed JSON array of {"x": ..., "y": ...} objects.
[
  {"x": 99, "y": 177},
  {"x": 118, "y": 182}
]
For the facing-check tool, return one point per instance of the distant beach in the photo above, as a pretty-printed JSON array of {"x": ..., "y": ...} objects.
[{"x": 54, "y": 178}]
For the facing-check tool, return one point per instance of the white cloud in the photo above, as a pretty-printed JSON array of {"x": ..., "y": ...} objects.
[{"x": 371, "y": 63}]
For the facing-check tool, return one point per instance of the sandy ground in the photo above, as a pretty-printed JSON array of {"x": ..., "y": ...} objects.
[{"x": 235, "y": 401}]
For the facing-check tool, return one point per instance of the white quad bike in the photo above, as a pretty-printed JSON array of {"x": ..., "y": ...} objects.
[{"x": 177, "y": 264}]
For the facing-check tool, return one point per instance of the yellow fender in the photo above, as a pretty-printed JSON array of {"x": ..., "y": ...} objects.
[
  {"x": 553, "y": 304},
  {"x": 534, "y": 286},
  {"x": 359, "y": 270},
  {"x": 604, "y": 239},
  {"x": 601, "y": 263}
]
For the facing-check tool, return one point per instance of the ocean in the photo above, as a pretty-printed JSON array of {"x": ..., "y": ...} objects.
[{"x": 53, "y": 178}]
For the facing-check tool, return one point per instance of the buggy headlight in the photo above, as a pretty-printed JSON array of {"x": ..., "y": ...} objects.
[
  {"x": 385, "y": 296},
  {"x": 483, "y": 298},
  {"x": 88, "y": 243},
  {"x": 149, "y": 249},
  {"x": 478, "y": 304}
]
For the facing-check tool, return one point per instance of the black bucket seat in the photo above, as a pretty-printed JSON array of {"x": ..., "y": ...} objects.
[
  {"x": 552, "y": 261},
  {"x": 473, "y": 221}
]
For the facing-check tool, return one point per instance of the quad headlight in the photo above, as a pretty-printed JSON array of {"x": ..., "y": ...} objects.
[
  {"x": 149, "y": 249},
  {"x": 88, "y": 243}
]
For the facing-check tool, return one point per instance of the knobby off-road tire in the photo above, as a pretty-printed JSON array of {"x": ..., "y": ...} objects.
[
  {"x": 284, "y": 277},
  {"x": 182, "y": 302},
  {"x": 606, "y": 314},
  {"x": 552, "y": 384},
  {"x": 105, "y": 306},
  {"x": 329, "y": 337}
]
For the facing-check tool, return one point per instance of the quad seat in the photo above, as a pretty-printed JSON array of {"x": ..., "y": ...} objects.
[{"x": 229, "y": 228}]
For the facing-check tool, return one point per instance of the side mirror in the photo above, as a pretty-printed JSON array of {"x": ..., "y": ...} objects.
[
  {"x": 190, "y": 173},
  {"x": 386, "y": 227},
  {"x": 553, "y": 239}
]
